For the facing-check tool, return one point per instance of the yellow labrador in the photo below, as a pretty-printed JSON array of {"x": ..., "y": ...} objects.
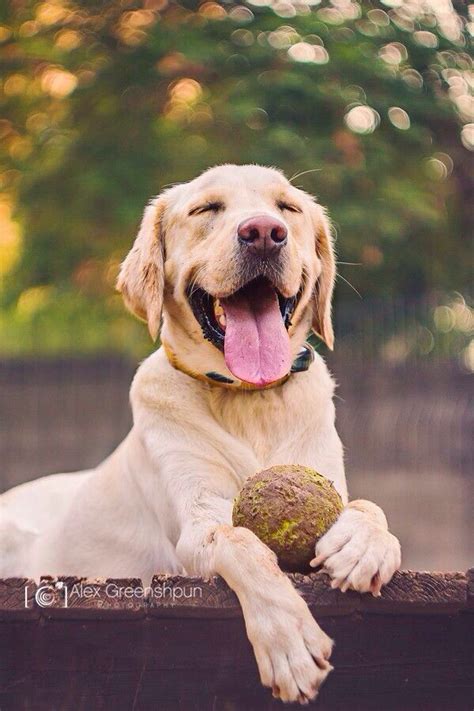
[{"x": 238, "y": 266}]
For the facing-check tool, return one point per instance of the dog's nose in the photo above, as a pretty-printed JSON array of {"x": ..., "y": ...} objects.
[{"x": 263, "y": 235}]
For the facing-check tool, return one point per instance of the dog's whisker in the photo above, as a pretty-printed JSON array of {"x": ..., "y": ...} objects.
[
  {"x": 305, "y": 172},
  {"x": 349, "y": 284},
  {"x": 193, "y": 284},
  {"x": 173, "y": 185}
]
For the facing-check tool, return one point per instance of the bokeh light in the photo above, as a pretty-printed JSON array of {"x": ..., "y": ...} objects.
[
  {"x": 399, "y": 118},
  {"x": 10, "y": 239},
  {"x": 467, "y": 136},
  {"x": 58, "y": 83},
  {"x": 393, "y": 53},
  {"x": 362, "y": 119},
  {"x": 305, "y": 52}
]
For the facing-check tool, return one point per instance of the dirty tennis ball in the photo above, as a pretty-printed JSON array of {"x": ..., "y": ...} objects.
[{"x": 289, "y": 507}]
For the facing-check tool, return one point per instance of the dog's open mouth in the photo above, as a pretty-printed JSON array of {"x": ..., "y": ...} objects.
[{"x": 250, "y": 327}]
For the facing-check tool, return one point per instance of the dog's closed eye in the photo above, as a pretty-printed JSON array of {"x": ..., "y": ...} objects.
[
  {"x": 282, "y": 205},
  {"x": 207, "y": 207}
]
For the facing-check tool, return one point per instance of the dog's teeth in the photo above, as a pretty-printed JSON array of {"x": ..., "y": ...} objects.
[{"x": 219, "y": 313}]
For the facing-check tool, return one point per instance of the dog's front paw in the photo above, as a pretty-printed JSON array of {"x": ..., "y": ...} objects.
[
  {"x": 291, "y": 650},
  {"x": 358, "y": 552}
]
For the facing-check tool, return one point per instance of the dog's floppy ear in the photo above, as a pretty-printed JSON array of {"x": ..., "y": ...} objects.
[
  {"x": 141, "y": 277},
  {"x": 322, "y": 297}
]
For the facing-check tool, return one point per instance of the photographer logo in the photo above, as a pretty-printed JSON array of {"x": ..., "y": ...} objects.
[{"x": 47, "y": 595}]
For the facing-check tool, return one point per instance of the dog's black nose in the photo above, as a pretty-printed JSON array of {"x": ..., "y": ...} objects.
[{"x": 263, "y": 235}]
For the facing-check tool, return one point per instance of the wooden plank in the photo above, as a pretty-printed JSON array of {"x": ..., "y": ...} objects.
[
  {"x": 190, "y": 651},
  {"x": 171, "y": 660},
  {"x": 420, "y": 592},
  {"x": 470, "y": 589},
  {"x": 17, "y": 599},
  {"x": 408, "y": 591},
  {"x": 167, "y": 595}
]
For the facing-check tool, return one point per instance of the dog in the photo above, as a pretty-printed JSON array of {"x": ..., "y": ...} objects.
[{"x": 236, "y": 267}]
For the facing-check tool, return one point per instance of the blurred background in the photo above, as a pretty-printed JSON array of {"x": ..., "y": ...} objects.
[{"x": 367, "y": 105}]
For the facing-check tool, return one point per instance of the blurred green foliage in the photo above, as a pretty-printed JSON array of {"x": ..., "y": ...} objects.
[{"x": 105, "y": 103}]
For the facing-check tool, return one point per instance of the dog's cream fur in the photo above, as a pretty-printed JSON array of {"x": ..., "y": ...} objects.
[{"x": 162, "y": 501}]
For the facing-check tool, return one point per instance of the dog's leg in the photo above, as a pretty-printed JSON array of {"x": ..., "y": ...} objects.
[
  {"x": 359, "y": 552},
  {"x": 291, "y": 650}
]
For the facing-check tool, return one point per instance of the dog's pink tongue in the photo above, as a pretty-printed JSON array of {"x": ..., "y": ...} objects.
[{"x": 256, "y": 344}]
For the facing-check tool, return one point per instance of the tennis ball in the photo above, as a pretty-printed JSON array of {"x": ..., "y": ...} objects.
[{"x": 289, "y": 507}]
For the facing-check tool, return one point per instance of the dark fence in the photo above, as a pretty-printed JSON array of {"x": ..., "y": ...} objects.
[
  {"x": 406, "y": 430},
  {"x": 60, "y": 415}
]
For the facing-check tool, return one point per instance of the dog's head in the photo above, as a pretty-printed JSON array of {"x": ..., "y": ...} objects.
[{"x": 238, "y": 257}]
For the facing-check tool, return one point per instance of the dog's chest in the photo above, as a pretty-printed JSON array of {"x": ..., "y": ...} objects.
[{"x": 265, "y": 421}]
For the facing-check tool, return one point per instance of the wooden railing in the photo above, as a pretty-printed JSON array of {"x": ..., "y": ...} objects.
[{"x": 70, "y": 644}]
